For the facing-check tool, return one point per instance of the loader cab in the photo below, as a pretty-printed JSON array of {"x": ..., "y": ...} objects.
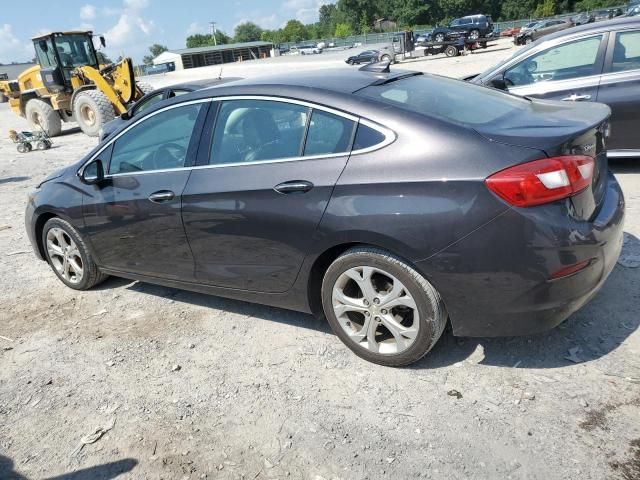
[{"x": 60, "y": 53}]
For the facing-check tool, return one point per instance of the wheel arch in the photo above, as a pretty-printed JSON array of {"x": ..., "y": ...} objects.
[
  {"x": 330, "y": 253},
  {"x": 43, "y": 218}
]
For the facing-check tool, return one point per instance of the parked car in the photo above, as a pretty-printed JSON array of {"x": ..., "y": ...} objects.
[
  {"x": 633, "y": 11},
  {"x": 583, "y": 18},
  {"x": 541, "y": 29},
  {"x": 367, "y": 56},
  {"x": 473, "y": 26},
  {"x": 510, "y": 32},
  {"x": 597, "y": 62},
  {"x": 308, "y": 49},
  {"x": 528, "y": 26},
  {"x": 155, "y": 96},
  {"x": 392, "y": 202}
]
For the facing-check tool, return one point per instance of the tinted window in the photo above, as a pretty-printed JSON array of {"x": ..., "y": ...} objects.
[
  {"x": 158, "y": 142},
  {"x": 147, "y": 103},
  {"x": 447, "y": 99},
  {"x": 328, "y": 133},
  {"x": 571, "y": 60},
  {"x": 367, "y": 137},
  {"x": 258, "y": 130},
  {"x": 626, "y": 52}
]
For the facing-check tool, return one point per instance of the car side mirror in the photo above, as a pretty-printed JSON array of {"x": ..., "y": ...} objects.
[
  {"x": 93, "y": 173},
  {"x": 498, "y": 82}
]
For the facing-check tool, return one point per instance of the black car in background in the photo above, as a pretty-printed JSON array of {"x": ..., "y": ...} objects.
[
  {"x": 155, "y": 96},
  {"x": 367, "y": 56},
  {"x": 392, "y": 202},
  {"x": 597, "y": 62},
  {"x": 472, "y": 26}
]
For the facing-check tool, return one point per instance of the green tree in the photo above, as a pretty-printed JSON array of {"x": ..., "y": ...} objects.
[
  {"x": 294, "y": 31},
  {"x": 546, "y": 9},
  {"x": 103, "y": 59},
  {"x": 247, "y": 32},
  {"x": 343, "y": 30},
  {"x": 154, "y": 50},
  {"x": 201, "y": 40}
]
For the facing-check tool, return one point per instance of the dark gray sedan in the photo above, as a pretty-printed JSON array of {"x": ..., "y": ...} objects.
[
  {"x": 597, "y": 62},
  {"x": 390, "y": 203}
]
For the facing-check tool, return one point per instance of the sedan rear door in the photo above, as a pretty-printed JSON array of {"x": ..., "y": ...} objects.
[
  {"x": 620, "y": 89},
  {"x": 568, "y": 71},
  {"x": 265, "y": 175}
]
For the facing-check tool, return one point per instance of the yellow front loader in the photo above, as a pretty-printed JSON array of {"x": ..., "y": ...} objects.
[{"x": 69, "y": 85}]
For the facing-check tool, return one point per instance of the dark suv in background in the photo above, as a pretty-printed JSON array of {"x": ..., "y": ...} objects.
[{"x": 473, "y": 26}]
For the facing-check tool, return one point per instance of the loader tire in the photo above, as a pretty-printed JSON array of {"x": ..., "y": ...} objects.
[
  {"x": 42, "y": 115},
  {"x": 92, "y": 109}
]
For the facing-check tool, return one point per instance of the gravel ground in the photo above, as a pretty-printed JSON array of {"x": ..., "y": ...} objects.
[{"x": 171, "y": 384}]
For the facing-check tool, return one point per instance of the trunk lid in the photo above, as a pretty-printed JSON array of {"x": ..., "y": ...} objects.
[{"x": 561, "y": 129}]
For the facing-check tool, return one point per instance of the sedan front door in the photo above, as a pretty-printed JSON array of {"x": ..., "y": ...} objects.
[
  {"x": 569, "y": 71},
  {"x": 133, "y": 217},
  {"x": 620, "y": 89},
  {"x": 264, "y": 179}
]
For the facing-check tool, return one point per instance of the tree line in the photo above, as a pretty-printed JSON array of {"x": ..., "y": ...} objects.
[{"x": 355, "y": 17}]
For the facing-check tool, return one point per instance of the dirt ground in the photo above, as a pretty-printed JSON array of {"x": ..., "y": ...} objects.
[{"x": 170, "y": 384}]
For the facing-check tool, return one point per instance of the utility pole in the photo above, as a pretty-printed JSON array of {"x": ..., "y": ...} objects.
[{"x": 213, "y": 30}]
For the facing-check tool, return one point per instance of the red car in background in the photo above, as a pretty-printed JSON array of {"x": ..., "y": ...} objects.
[{"x": 510, "y": 32}]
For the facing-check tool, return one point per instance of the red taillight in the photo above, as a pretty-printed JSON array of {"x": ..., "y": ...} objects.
[{"x": 542, "y": 181}]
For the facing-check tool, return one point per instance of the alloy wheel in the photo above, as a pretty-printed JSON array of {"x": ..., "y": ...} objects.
[
  {"x": 65, "y": 255},
  {"x": 375, "y": 310}
]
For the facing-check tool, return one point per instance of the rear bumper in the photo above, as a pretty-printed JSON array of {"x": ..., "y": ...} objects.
[{"x": 497, "y": 281}]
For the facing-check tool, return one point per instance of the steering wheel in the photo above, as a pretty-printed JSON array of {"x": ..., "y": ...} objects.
[{"x": 169, "y": 155}]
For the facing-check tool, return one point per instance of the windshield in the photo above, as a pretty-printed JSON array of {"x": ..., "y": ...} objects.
[
  {"x": 75, "y": 50},
  {"x": 447, "y": 99},
  {"x": 515, "y": 54}
]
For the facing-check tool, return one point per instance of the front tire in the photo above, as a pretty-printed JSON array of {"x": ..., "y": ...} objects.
[
  {"x": 381, "y": 307},
  {"x": 41, "y": 115},
  {"x": 92, "y": 109},
  {"x": 69, "y": 256}
]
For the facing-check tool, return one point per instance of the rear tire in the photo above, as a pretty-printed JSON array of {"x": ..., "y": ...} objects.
[
  {"x": 42, "y": 145},
  {"x": 439, "y": 37},
  {"x": 21, "y": 148},
  {"x": 401, "y": 333},
  {"x": 92, "y": 109},
  {"x": 528, "y": 40},
  {"x": 42, "y": 115},
  {"x": 69, "y": 257}
]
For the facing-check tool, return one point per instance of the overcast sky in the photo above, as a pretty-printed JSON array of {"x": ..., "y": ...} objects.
[{"x": 130, "y": 26}]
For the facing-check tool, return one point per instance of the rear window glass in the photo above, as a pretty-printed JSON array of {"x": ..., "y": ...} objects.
[
  {"x": 447, "y": 99},
  {"x": 367, "y": 137}
]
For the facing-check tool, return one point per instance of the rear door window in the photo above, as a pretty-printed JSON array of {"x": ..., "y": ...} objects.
[
  {"x": 250, "y": 131},
  {"x": 626, "y": 52},
  {"x": 563, "y": 62},
  {"x": 328, "y": 134}
]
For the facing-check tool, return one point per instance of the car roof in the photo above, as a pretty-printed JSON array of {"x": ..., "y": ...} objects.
[
  {"x": 339, "y": 80},
  {"x": 603, "y": 26}
]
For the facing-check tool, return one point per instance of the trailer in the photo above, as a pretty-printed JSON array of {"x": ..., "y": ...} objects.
[{"x": 403, "y": 47}]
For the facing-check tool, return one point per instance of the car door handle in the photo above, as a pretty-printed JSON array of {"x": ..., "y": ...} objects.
[
  {"x": 576, "y": 98},
  {"x": 295, "y": 186},
  {"x": 162, "y": 196}
]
